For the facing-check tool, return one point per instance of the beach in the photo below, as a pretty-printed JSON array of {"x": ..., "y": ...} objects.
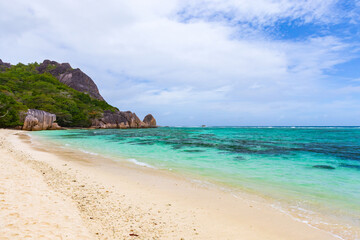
[{"x": 52, "y": 193}]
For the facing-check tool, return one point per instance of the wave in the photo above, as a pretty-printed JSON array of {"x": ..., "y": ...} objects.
[
  {"x": 87, "y": 152},
  {"x": 133, "y": 160},
  {"x": 307, "y": 217}
]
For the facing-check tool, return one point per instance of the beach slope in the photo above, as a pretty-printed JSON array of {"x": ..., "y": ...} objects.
[{"x": 48, "y": 193}]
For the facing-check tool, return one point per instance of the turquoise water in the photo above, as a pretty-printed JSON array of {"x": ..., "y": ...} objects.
[{"x": 312, "y": 168}]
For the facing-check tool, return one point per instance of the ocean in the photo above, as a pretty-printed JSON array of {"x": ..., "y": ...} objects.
[{"x": 311, "y": 173}]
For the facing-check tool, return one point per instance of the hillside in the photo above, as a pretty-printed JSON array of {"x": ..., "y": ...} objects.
[{"x": 36, "y": 86}]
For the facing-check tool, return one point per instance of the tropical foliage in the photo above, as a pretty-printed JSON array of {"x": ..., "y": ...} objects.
[{"x": 22, "y": 87}]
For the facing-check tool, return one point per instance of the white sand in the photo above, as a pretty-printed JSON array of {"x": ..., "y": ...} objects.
[{"x": 30, "y": 209}]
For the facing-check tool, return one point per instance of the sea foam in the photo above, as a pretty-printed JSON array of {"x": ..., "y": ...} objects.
[{"x": 133, "y": 160}]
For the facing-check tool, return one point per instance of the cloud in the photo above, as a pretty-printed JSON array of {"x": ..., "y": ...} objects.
[
  {"x": 259, "y": 12},
  {"x": 200, "y": 59}
]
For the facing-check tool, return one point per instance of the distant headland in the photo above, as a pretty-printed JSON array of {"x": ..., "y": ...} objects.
[{"x": 52, "y": 95}]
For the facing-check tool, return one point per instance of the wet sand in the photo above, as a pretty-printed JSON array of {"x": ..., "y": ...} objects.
[{"x": 52, "y": 193}]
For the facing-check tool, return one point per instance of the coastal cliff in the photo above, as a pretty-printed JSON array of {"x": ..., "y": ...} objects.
[
  {"x": 74, "y": 78},
  {"x": 52, "y": 94},
  {"x": 4, "y": 66}
]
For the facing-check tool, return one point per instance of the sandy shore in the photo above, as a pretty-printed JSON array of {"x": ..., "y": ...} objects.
[{"x": 49, "y": 193}]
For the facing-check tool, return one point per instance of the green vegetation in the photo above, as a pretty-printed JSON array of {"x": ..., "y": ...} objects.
[{"x": 22, "y": 87}]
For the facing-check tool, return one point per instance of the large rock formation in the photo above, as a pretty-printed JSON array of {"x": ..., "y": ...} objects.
[
  {"x": 78, "y": 80},
  {"x": 37, "y": 120},
  {"x": 119, "y": 119},
  {"x": 149, "y": 120},
  {"x": 74, "y": 78},
  {"x": 4, "y": 66}
]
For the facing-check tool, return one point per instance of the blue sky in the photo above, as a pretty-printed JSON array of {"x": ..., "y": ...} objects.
[{"x": 213, "y": 62}]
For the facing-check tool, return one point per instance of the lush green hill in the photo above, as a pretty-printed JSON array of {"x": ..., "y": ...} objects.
[{"x": 22, "y": 87}]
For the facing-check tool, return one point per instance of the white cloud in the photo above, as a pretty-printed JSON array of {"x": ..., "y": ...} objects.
[{"x": 145, "y": 58}]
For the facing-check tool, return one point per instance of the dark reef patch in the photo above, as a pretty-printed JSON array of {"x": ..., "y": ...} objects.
[
  {"x": 193, "y": 151},
  {"x": 357, "y": 167},
  {"x": 328, "y": 167},
  {"x": 239, "y": 158}
]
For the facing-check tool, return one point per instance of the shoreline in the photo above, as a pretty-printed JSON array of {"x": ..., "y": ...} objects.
[
  {"x": 118, "y": 201},
  {"x": 309, "y": 215}
]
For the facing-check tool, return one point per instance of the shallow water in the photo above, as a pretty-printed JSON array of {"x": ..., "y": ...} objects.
[{"x": 308, "y": 168}]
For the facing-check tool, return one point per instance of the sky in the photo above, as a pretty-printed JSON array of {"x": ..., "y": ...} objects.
[{"x": 194, "y": 62}]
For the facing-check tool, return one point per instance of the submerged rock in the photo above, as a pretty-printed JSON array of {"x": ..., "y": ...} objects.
[
  {"x": 37, "y": 120},
  {"x": 357, "y": 167},
  {"x": 324, "y": 167}
]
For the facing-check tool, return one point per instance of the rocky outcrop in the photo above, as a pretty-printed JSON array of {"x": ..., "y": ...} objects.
[
  {"x": 74, "y": 78},
  {"x": 37, "y": 120},
  {"x": 78, "y": 80},
  {"x": 4, "y": 66},
  {"x": 149, "y": 120},
  {"x": 119, "y": 119}
]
